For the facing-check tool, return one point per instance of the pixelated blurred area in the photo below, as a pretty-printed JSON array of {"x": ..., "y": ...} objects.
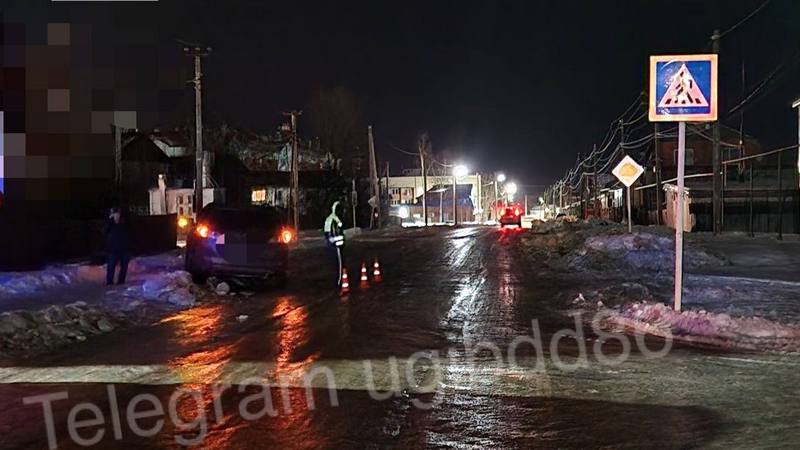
[{"x": 70, "y": 77}]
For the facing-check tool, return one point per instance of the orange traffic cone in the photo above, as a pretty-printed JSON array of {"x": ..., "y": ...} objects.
[
  {"x": 363, "y": 271},
  {"x": 345, "y": 288},
  {"x": 376, "y": 270}
]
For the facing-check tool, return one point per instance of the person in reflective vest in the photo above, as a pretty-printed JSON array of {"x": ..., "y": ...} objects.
[{"x": 334, "y": 239}]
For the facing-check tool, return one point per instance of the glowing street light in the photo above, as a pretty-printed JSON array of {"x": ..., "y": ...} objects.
[
  {"x": 460, "y": 170},
  {"x": 511, "y": 188},
  {"x": 501, "y": 177}
]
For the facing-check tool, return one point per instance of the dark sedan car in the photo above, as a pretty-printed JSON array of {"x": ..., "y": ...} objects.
[{"x": 251, "y": 242}]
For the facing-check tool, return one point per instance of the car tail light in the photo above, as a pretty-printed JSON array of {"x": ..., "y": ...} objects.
[
  {"x": 286, "y": 236},
  {"x": 203, "y": 230},
  {"x": 517, "y": 212}
]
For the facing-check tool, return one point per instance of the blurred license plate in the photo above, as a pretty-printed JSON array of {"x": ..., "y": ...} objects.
[{"x": 221, "y": 239}]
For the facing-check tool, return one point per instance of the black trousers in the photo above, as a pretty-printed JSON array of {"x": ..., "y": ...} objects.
[
  {"x": 337, "y": 260},
  {"x": 114, "y": 259}
]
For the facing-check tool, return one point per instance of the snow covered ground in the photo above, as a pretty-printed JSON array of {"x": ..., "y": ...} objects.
[
  {"x": 46, "y": 309},
  {"x": 739, "y": 292},
  {"x": 67, "y": 283}
]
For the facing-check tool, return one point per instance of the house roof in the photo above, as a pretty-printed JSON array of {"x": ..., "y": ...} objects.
[
  {"x": 139, "y": 148},
  {"x": 173, "y": 138}
]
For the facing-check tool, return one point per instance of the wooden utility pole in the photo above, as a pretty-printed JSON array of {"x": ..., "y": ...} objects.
[
  {"x": 117, "y": 155},
  {"x": 657, "y": 156},
  {"x": 594, "y": 170},
  {"x": 354, "y": 201},
  {"x": 386, "y": 189},
  {"x": 294, "y": 182},
  {"x": 716, "y": 159},
  {"x": 422, "y": 147},
  {"x": 201, "y": 165},
  {"x": 375, "y": 213},
  {"x": 780, "y": 196}
]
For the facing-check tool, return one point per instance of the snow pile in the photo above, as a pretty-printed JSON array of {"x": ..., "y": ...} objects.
[
  {"x": 56, "y": 277},
  {"x": 26, "y": 333},
  {"x": 175, "y": 288},
  {"x": 639, "y": 251},
  {"x": 27, "y": 282},
  {"x": 702, "y": 327}
]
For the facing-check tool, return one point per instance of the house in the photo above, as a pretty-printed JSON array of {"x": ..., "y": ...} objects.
[
  {"x": 408, "y": 189},
  {"x": 142, "y": 164},
  {"x": 439, "y": 201}
]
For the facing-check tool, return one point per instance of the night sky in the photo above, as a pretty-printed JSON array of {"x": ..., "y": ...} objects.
[{"x": 517, "y": 86}]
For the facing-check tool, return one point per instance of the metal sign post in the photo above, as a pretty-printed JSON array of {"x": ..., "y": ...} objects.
[
  {"x": 683, "y": 88},
  {"x": 679, "y": 218},
  {"x": 630, "y": 224}
]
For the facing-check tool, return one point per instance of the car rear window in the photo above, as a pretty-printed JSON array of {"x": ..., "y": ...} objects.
[{"x": 243, "y": 219}]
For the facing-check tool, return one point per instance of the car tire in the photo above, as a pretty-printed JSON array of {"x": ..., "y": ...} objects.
[{"x": 280, "y": 280}]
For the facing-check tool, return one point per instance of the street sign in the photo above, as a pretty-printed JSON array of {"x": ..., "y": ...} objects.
[
  {"x": 683, "y": 88},
  {"x": 628, "y": 171}
]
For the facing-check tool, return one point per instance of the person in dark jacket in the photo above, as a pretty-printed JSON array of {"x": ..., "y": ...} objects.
[{"x": 117, "y": 246}]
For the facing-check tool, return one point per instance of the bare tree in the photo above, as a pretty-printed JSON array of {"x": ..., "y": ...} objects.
[{"x": 337, "y": 120}]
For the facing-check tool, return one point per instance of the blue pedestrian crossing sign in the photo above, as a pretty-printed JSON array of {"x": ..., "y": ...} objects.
[{"x": 683, "y": 88}]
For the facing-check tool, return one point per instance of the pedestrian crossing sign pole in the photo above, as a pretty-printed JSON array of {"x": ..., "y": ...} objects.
[{"x": 683, "y": 88}]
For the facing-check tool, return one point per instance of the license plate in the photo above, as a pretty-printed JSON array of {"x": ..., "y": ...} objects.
[{"x": 221, "y": 239}]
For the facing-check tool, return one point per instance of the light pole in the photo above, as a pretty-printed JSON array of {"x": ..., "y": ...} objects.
[
  {"x": 510, "y": 189},
  {"x": 459, "y": 170},
  {"x": 202, "y": 161},
  {"x": 500, "y": 177}
]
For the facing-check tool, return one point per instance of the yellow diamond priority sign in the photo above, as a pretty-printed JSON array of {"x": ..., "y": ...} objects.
[{"x": 628, "y": 171}]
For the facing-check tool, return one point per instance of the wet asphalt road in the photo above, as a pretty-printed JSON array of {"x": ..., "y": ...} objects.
[{"x": 434, "y": 355}]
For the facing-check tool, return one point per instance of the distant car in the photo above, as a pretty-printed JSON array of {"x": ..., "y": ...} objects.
[
  {"x": 511, "y": 216},
  {"x": 249, "y": 242}
]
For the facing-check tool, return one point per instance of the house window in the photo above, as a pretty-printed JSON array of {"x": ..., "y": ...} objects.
[
  {"x": 189, "y": 199},
  {"x": 258, "y": 196},
  {"x": 180, "y": 199},
  {"x": 180, "y": 210},
  {"x": 689, "y": 157},
  {"x": 407, "y": 195},
  {"x": 394, "y": 196}
]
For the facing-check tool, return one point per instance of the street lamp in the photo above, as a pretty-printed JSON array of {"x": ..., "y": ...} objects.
[
  {"x": 498, "y": 178},
  {"x": 459, "y": 170},
  {"x": 511, "y": 189}
]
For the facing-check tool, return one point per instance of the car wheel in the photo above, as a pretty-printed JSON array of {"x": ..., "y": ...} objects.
[
  {"x": 198, "y": 276},
  {"x": 280, "y": 280}
]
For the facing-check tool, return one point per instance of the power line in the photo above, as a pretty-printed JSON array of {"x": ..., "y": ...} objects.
[
  {"x": 745, "y": 19},
  {"x": 764, "y": 82}
]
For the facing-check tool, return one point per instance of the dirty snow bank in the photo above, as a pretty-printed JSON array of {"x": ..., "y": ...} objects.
[
  {"x": 638, "y": 251},
  {"x": 606, "y": 246},
  {"x": 29, "y": 333},
  {"x": 55, "y": 277},
  {"x": 706, "y": 328}
]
